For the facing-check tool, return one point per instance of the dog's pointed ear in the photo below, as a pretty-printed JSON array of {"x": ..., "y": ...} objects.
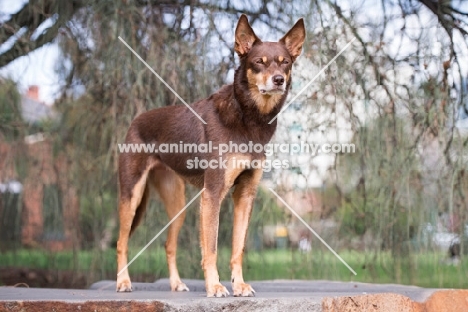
[
  {"x": 244, "y": 36},
  {"x": 294, "y": 39}
]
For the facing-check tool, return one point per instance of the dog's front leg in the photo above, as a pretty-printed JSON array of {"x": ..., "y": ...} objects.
[
  {"x": 243, "y": 196},
  {"x": 209, "y": 224}
]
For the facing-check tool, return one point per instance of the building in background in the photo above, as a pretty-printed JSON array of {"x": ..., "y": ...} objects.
[{"x": 38, "y": 205}]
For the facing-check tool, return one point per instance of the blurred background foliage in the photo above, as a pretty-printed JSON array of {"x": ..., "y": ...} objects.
[{"x": 393, "y": 208}]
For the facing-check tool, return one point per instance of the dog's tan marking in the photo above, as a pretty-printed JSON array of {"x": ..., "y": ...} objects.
[
  {"x": 123, "y": 280},
  {"x": 264, "y": 59},
  {"x": 265, "y": 77},
  {"x": 127, "y": 210},
  {"x": 265, "y": 102},
  {"x": 235, "y": 165},
  {"x": 252, "y": 78},
  {"x": 209, "y": 224},
  {"x": 138, "y": 189},
  {"x": 280, "y": 58},
  {"x": 243, "y": 196},
  {"x": 171, "y": 190}
]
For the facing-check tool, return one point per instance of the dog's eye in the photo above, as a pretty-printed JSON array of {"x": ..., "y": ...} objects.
[
  {"x": 285, "y": 62},
  {"x": 259, "y": 61}
]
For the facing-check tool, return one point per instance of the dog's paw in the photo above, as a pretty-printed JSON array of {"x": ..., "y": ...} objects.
[
  {"x": 217, "y": 290},
  {"x": 242, "y": 290},
  {"x": 124, "y": 285},
  {"x": 179, "y": 286}
]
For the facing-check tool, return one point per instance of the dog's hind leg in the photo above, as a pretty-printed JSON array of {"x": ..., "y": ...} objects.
[
  {"x": 171, "y": 189},
  {"x": 243, "y": 196},
  {"x": 133, "y": 196}
]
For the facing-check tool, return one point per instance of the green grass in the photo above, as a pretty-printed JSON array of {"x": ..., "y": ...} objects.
[
  {"x": 421, "y": 269},
  {"x": 425, "y": 269}
]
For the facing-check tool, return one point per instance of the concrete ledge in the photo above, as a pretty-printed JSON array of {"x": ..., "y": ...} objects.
[{"x": 281, "y": 296}]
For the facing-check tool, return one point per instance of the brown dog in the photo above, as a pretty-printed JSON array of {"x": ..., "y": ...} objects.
[{"x": 237, "y": 114}]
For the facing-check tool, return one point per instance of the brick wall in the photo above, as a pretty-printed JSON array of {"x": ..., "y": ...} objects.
[{"x": 43, "y": 168}]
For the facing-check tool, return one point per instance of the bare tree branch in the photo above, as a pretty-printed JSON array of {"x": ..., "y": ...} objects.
[{"x": 31, "y": 16}]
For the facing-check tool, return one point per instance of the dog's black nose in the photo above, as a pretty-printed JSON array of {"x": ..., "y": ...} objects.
[{"x": 278, "y": 80}]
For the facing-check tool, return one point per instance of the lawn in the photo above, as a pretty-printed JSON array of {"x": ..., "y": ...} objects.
[{"x": 421, "y": 269}]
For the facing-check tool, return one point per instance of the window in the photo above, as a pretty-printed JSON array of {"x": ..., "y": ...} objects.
[{"x": 10, "y": 214}]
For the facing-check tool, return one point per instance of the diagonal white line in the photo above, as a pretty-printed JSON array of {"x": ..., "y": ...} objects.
[
  {"x": 313, "y": 232},
  {"x": 160, "y": 232},
  {"x": 313, "y": 79},
  {"x": 162, "y": 80}
]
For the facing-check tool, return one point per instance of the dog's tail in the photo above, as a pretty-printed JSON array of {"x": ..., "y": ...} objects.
[{"x": 140, "y": 211}]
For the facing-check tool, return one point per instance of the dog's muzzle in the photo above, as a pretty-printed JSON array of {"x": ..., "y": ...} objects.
[{"x": 275, "y": 85}]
